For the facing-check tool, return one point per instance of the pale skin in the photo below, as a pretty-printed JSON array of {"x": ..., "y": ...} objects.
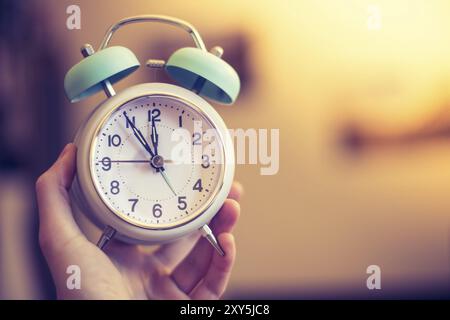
[{"x": 185, "y": 269}]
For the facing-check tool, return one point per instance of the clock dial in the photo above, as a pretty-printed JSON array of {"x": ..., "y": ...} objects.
[{"x": 157, "y": 162}]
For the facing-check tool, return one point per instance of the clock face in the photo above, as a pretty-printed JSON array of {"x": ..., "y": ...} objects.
[{"x": 157, "y": 162}]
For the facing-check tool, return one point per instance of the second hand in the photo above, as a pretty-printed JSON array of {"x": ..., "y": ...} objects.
[{"x": 133, "y": 161}]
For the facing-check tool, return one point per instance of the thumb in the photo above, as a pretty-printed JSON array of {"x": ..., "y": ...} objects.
[{"x": 57, "y": 226}]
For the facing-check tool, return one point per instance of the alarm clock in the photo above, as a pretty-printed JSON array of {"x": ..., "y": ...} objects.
[{"x": 130, "y": 180}]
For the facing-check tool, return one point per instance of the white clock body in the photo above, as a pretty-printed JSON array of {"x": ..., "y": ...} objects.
[{"x": 117, "y": 186}]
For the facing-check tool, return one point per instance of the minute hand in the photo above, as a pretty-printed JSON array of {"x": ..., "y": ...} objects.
[
  {"x": 154, "y": 137},
  {"x": 138, "y": 134}
]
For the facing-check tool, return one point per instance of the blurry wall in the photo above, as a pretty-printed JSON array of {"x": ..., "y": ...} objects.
[
  {"x": 30, "y": 137},
  {"x": 316, "y": 71}
]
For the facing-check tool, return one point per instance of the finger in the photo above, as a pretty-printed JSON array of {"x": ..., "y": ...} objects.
[
  {"x": 219, "y": 271},
  {"x": 56, "y": 223},
  {"x": 161, "y": 285},
  {"x": 132, "y": 259},
  {"x": 236, "y": 192},
  {"x": 117, "y": 249},
  {"x": 173, "y": 253},
  {"x": 192, "y": 269}
]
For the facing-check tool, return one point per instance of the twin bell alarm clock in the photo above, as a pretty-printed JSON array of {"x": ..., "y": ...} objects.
[{"x": 155, "y": 162}]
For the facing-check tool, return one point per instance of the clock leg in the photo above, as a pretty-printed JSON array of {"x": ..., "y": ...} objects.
[
  {"x": 208, "y": 234},
  {"x": 107, "y": 235}
]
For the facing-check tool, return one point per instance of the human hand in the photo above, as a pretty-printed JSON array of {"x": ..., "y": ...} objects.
[{"x": 185, "y": 269}]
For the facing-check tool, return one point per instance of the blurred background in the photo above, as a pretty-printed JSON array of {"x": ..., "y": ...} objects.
[{"x": 360, "y": 91}]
